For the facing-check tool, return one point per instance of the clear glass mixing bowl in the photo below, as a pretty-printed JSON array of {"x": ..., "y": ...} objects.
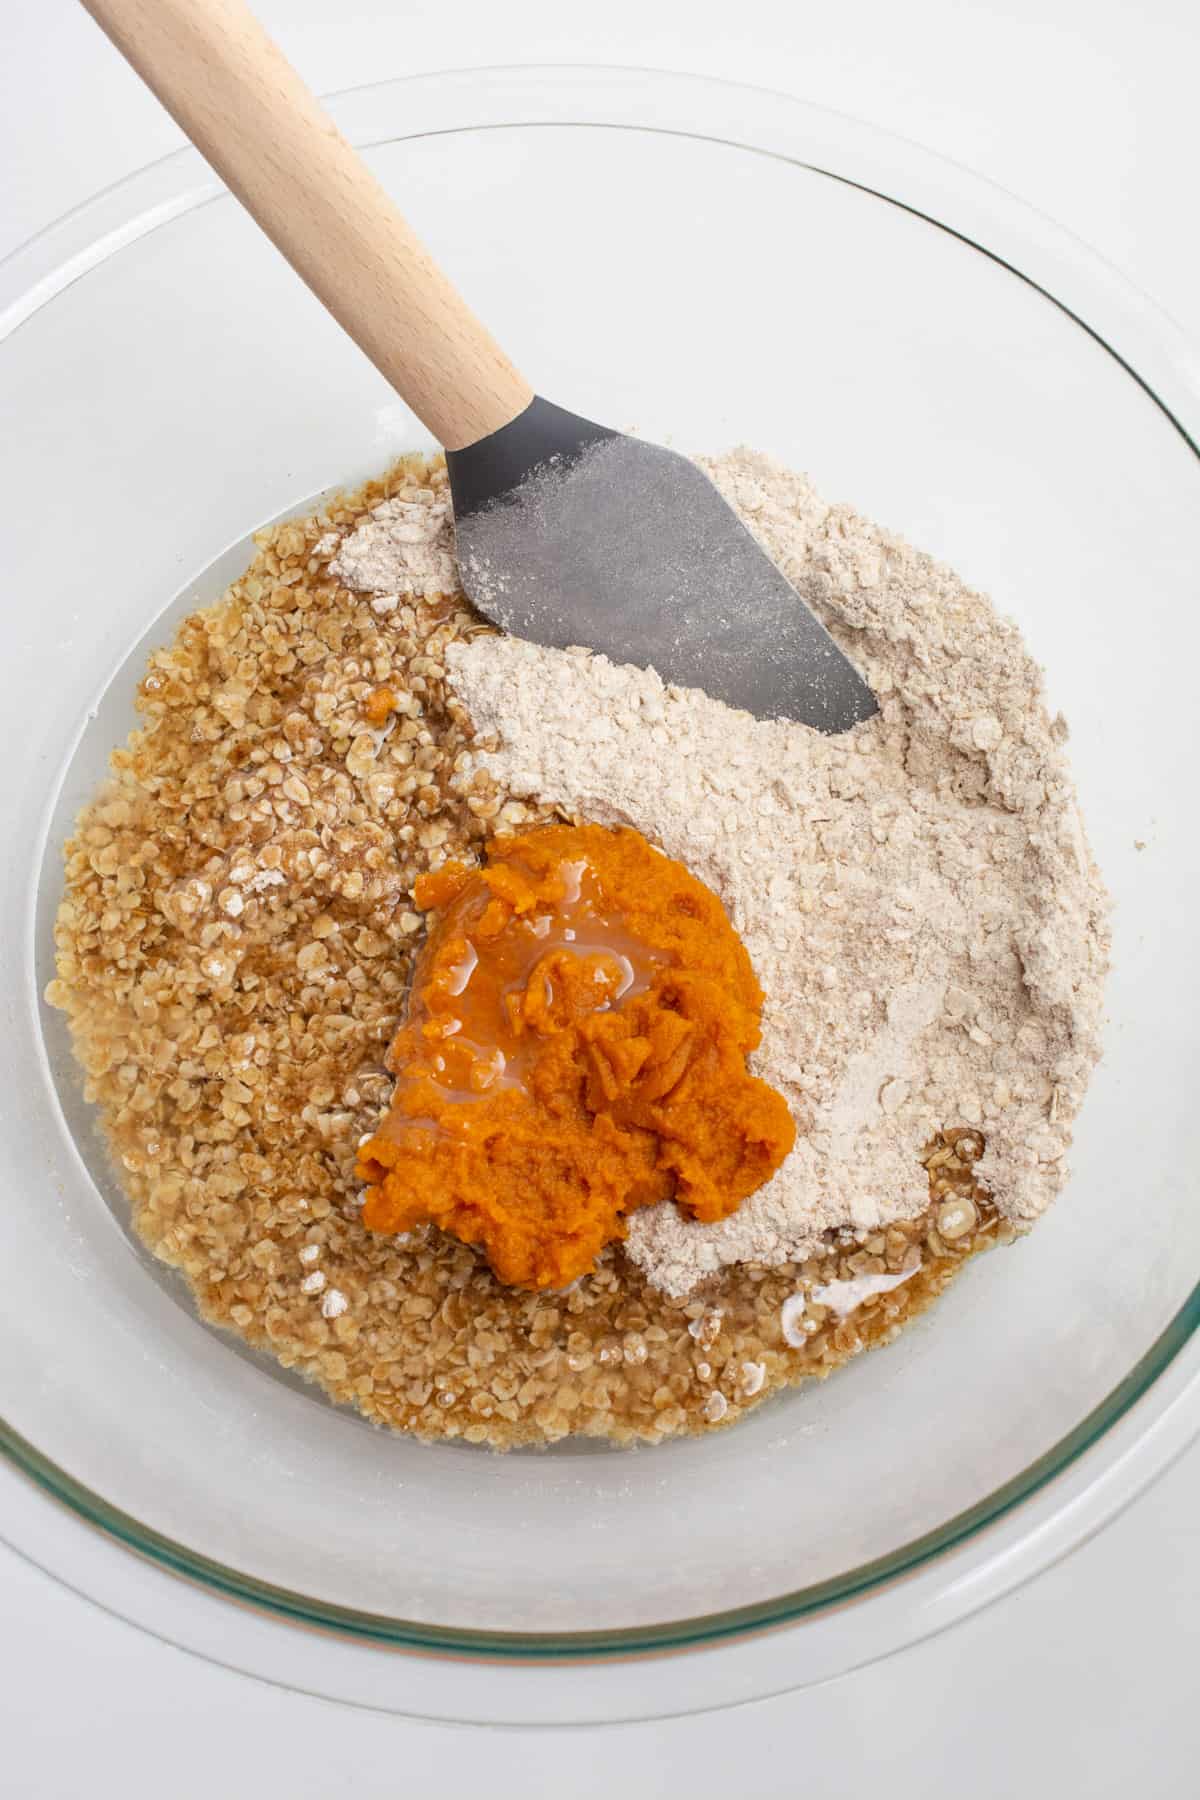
[{"x": 708, "y": 265}]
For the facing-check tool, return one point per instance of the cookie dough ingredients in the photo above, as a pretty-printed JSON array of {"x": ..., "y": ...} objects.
[
  {"x": 236, "y": 939},
  {"x": 575, "y": 1049},
  {"x": 917, "y": 895}
]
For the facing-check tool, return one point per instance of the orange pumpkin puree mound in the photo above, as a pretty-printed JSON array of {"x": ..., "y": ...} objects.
[{"x": 575, "y": 1048}]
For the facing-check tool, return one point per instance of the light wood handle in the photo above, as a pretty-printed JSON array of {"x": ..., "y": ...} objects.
[{"x": 244, "y": 107}]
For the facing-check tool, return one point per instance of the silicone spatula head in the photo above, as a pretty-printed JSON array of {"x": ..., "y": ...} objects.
[{"x": 569, "y": 533}]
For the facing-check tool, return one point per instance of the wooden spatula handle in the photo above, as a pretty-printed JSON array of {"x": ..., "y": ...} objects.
[{"x": 242, "y": 104}]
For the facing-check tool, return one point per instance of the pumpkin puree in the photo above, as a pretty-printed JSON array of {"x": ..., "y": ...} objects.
[{"x": 575, "y": 1047}]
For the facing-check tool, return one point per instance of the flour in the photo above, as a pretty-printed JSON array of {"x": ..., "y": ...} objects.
[
  {"x": 406, "y": 545},
  {"x": 917, "y": 896}
]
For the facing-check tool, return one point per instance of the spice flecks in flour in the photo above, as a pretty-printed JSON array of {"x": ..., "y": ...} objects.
[{"x": 917, "y": 895}]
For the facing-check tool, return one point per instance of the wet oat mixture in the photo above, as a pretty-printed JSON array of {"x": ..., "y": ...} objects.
[{"x": 235, "y": 948}]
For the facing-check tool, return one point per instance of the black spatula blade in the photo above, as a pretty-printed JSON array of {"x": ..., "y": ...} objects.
[{"x": 569, "y": 533}]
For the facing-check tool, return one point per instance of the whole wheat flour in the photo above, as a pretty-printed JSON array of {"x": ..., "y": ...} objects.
[
  {"x": 917, "y": 896},
  {"x": 404, "y": 548}
]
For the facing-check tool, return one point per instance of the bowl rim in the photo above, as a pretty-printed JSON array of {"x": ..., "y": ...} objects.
[{"x": 1126, "y": 324}]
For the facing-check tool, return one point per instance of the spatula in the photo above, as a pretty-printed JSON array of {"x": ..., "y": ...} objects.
[{"x": 567, "y": 532}]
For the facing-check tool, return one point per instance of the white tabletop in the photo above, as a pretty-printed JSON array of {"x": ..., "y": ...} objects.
[{"x": 1082, "y": 1683}]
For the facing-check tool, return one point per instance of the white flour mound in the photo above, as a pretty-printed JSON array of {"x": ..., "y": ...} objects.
[
  {"x": 406, "y": 546},
  {"x": 917, "y": 896}
]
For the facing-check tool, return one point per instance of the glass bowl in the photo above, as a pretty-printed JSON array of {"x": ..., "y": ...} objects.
[{"x": 706, "y": 264}]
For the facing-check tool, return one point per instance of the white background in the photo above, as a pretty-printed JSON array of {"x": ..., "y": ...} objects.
[{"x": 1084, "y": 1683}]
